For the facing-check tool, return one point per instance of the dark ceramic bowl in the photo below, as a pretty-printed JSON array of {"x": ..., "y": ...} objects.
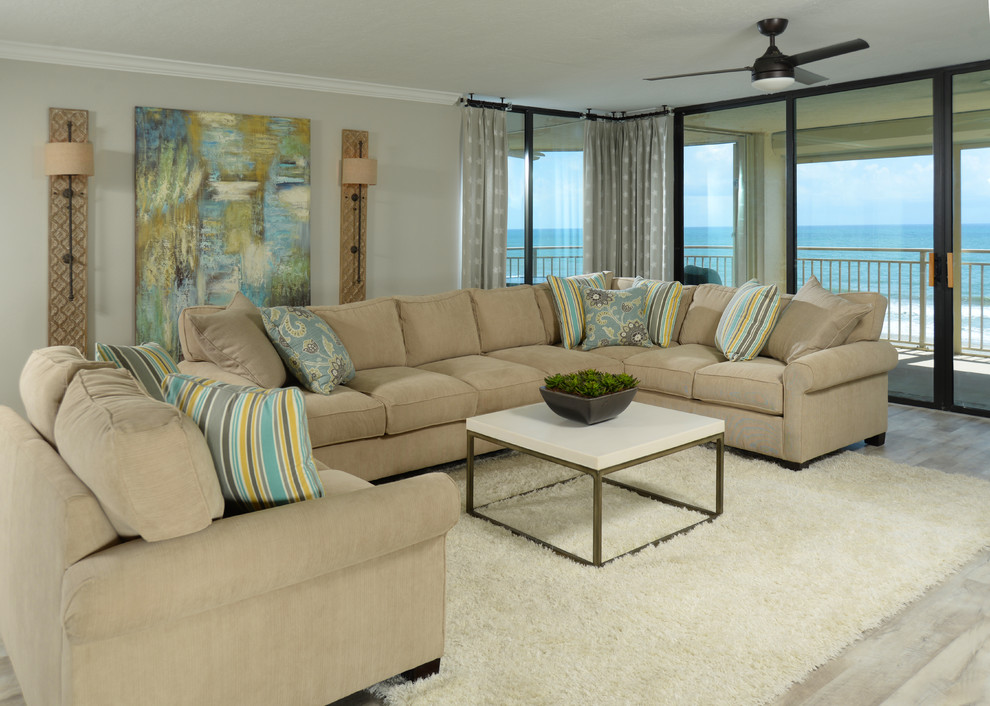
[{"x": 587, "y": 410}]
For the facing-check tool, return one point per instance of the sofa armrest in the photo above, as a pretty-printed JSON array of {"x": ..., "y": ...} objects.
[
  {"x": 824, "y": 369},
  {"x": 137, "y": 584}
]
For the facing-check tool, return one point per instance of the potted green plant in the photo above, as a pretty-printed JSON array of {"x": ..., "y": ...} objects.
[{"x": 589, "y": 396}]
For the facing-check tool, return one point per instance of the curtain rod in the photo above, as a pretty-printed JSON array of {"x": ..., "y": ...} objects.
[{"x": 509, "y": 107}]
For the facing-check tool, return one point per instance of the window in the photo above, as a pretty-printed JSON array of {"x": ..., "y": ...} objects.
[{"x": 546, "y": 196}]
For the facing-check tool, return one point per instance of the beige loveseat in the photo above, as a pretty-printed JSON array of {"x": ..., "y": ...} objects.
[
  {"x": 298, "y": 604},
  {"x": 425, "y": 363}
]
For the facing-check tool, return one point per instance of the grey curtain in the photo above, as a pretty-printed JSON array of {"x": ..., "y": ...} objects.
[
  {"x": 484, "y": 197},
  {"x": 628, "y": 199}
]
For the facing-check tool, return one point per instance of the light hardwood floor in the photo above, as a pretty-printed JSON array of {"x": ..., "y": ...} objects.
[{"x": 935, "y": 652}]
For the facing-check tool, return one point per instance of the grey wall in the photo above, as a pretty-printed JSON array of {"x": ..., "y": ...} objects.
[{"x": 413, "y": 243}]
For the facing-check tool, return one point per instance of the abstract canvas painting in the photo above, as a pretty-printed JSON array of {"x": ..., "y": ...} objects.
[{"x": 222, "y": 205}]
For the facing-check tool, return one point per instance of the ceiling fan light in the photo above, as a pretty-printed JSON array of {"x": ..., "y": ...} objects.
[{"x": 772, "y": 83}]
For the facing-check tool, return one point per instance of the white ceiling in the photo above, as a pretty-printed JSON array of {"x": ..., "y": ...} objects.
[{"x": 570, "y": 54}]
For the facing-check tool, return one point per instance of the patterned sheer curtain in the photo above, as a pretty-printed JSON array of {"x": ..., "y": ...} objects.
[
  {"x": 484, "y": 197},
  {"x": 628, "y": 197}
]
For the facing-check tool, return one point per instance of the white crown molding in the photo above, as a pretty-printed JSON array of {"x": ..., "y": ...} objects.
[{"x": 21, "y": 51}]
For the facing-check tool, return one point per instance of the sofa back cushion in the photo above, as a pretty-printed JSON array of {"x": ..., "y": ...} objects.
[
  {"x": 704, "y": 312},
  {"x": 544, "y": 299},
  {"x": 508, "y": 317},
  {"x": 370, "y": 331},
  {"x": 235, "y": 339},
  {"x": 145, "y": 461},
  {"x": 43, "y": 382},
  {"x": 438, "y": 326}
]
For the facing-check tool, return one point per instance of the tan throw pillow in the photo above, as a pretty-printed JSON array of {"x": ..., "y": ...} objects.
[
  {"x": 438, "y": 327},
  {"x": 44, "y": 379},
  {"x": 704, "y": 313},
  {"x": 235, "y": 340},
  {"x": 508, "y": 317},
  {"x": 145, "y": 461},
  {"x": 815, "y": 320}
]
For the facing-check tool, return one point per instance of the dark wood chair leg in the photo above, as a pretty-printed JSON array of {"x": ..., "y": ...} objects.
[
  {"x": 877, "y": 440},
  {"x": 423, "y": 670}
]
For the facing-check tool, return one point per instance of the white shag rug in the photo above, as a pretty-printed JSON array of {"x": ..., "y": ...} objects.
[{"x": 798, "y": 566}]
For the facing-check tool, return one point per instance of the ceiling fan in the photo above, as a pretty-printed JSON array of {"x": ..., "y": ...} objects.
[{"x": 776, "y": 70}]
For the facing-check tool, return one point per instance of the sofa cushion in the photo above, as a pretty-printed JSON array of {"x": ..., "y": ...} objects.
[
  {"x": 665, "y": 300},
  {"x": 554, "y": 359},
  {"x": 144, "y": 460},
  {"x": 508, "y": 317},
  {"x": 614, "y": 317},
  {"x": 748, "y": 320},
  {"x": 188, "y": 341},
  {"x": 671, "y": 370},
  {"x": 43, "y": 382},
  {"x": 415, "y": 398},
  {"x": 370, "y": 331},
  {"x": 343, "y": 415},
  {"x": 704, "y": 312},
  {"x": 438, "y": 326},
  {"x": 259, "y": 440},
  {"x": 309, "y": 347},
  {"x": 235, "y": 339},
  {"x": 753, "y": 384},
  {"x": 149, "y": 363},
  {"x": 569, "y": 305},
  {"x": 501, "y": 384},
  {"x": 814, "y": 320}
]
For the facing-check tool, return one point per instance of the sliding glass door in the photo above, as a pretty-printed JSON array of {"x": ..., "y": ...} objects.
[
  {"x": 969, "y": 265},
  {"x": 865, "y": 209}
]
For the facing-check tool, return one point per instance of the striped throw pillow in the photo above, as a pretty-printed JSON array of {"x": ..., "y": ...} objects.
[
  {"x": 259, "y": 440},
  {"x": 149, "y": 363},
  {"x": 748, "y": 320},
  {"x": 665, "y": 298},
  {"x": 569, "y": 304}
]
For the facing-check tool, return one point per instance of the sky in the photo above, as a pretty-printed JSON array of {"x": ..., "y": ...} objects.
[{"x": 890, "y": 191}]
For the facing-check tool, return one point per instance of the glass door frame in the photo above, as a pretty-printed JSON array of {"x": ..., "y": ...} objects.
[{"x": 943, "y": 215}]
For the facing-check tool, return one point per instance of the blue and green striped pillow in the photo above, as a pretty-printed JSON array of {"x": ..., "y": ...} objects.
[
  {"x": 149, "y": 363},
  {"x": 665, "y": 298},
  {"x": 569, "y": 304},
  {"x": 748, "y": 320},
  {"x": 259, "y": 439}
]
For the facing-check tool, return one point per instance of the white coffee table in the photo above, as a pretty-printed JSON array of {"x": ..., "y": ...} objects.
[{"x": 641, "y": 433}]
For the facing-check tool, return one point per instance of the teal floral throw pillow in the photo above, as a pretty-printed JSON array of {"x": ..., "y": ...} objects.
[
  {"x": 309, "y": 347},
  {"x": 615, "y": 317}
]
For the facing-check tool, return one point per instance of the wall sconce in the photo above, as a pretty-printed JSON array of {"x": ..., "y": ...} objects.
[
  {"x": 68, "y": 162},
  {"x": 358, "y": 171},
  {"x": 69, "y": 159}
]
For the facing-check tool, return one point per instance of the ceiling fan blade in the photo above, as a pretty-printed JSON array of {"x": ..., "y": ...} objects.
[
  {"x": 700, "y": 73},
  {"x": 806, "y": 57},
  {"x": 806, "y": 77}
]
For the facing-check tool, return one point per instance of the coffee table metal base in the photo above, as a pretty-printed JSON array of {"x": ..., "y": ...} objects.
[{"x": 599, "y": 477}]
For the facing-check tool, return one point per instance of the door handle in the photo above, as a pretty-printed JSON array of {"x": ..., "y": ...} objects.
[
  {"x": 931, "y": 269},
  {"x": 949, "y": 270}
]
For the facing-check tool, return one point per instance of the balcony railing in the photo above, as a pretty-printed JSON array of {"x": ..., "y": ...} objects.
[
  {"x": 558, "y": 260},
  {"x": 901, "y": 275}
]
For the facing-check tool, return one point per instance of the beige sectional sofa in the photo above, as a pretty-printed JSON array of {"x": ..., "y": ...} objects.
[
  {"x": 297, "y": 604},
  {"x": 425, "y": 363}
]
